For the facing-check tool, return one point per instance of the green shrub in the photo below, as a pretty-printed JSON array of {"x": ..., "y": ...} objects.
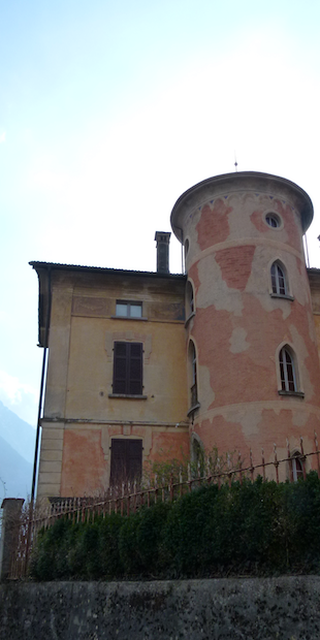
[
  {"x": 50, "y": 557},
  {"x": 108, "y": 547},
  {"x": 258, "y": 528},
  {"x": 150, "y": 538}
]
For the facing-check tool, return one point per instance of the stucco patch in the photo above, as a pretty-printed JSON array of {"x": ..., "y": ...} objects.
[
  {"x": 259, "y": 281},
  {"x": 249, "y": 420},
  {"x": 213, "y": 226},
  {"x": 299, "y": 418},
  {"x": 205, "y": 390},
  {"x": 235, "y": 264},
  {"x": 238, "y": 341},
  {"x": 302, "y": 353},
  {"x": 213, "y": 290}
]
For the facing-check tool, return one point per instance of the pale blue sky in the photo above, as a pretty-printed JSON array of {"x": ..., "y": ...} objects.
[{"x": 109, "y": 111}]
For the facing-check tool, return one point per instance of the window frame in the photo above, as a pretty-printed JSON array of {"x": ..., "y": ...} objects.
[
  {"x": 279, "y": 281},
  {"x": 288, "y": 373},
  {"x": 129, "y": 304},
  {"x": 190, "y": 302},
  {"x": 125, "y": 382},
  {"x": 124, "y": 447},
  {"x": 194, "y": 398},
  {"x": 272, "y": 215},
  {"x": 297, "y": 468}
]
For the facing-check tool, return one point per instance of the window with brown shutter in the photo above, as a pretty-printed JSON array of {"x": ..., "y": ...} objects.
[
  {"x": 127, "y": 369},
  {"x": 126, "y": 461}
]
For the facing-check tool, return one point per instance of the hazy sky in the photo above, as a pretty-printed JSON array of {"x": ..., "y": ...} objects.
[{"x": 110, "y": 110}]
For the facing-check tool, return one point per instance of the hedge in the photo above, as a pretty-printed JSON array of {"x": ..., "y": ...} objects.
[{"x": 259, "y": 528}]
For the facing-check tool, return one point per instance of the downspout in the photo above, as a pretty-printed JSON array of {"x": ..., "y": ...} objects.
[
  {"x": 44, "y": 360},
  {"x": 183, "y": 269}
]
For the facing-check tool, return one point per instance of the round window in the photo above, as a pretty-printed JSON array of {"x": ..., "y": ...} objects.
[{"x": 273, "y": 220}]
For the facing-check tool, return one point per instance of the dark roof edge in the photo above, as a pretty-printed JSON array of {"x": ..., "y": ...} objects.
[
  {"x": 72, "y": 267},
  {"x": 238, "y": 177}
]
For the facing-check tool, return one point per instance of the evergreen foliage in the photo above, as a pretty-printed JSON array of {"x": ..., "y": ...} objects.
[{"x": 258, "y": 528}]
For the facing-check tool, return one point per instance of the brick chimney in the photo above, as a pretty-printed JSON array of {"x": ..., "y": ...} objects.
[{"x": 162, "y": 239}]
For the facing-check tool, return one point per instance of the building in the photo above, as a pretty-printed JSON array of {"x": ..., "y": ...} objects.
[{"x": 146, "y": 365}]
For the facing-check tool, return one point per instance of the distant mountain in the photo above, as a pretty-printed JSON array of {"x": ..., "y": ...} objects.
[
  {"x": 15, "y": 473},
  {"x": 17, "y": 433}
]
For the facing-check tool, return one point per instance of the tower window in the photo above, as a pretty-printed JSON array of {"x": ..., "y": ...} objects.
[
  {"x": 190, "y": 309},
  {"x": 287, "y": 370},
  {"x": 296, "y": 466},
  {"x": 193, "y": 377},
  {"x": 273, "y": 220},
  {"x": 278, "y": 280}
]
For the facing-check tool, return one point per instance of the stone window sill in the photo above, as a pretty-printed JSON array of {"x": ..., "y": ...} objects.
[
  {"x": 193, "y": 409},
  {"x": 127, "y": 396},
  {"x": 280, "y": 295},
  {"x": 189, "y": 318},
  {"x": 128, "y": 318},
  {"x": 296, "y": 394}
]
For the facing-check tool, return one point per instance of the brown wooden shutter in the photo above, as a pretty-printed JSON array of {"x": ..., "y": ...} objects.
[
  {"x": 126, "y": 461},
  {"x": 127, "y": 369}
]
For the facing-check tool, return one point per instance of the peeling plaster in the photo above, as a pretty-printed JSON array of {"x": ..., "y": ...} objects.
[
  {"x": 213, "y": 290},
  {"x": 312, "y": 331},
  {"x": 249, "y": 421},
  {"x": 205, "y": 390},
  {"x": 259, "y": 282},
  {"x": 238, "y": 340},
  {"x": 299, "y": 418},
  {"x": 302, "y": 353}
]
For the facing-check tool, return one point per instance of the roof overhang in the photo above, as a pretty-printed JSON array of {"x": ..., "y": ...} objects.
[{"x": 241, "y": 181}]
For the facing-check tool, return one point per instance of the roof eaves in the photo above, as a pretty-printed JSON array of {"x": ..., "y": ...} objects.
[{"x": 72, "y": 267}]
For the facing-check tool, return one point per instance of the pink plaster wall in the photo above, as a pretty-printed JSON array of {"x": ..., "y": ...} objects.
[
  {"x": 247, "y": 375},
  {"x": 213, "y": 226},
  {"x": 83, "y": 464}
]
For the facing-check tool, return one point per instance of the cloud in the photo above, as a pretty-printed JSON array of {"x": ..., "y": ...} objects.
[
  {"x": 19, "y": 397},
  {"x": 2, "y": 137}
]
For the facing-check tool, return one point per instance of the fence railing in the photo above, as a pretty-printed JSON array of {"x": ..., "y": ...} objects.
[{"x": 129, "y": 497}]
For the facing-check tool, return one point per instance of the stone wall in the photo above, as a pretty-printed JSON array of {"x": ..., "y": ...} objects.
[{"x": 287, "y": 608}]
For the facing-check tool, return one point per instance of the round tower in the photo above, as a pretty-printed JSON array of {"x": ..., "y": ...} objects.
[{"x": 253, "y": 362}]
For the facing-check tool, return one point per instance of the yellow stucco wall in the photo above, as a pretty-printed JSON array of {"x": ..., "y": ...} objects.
[{"x": 79, "y": 413}]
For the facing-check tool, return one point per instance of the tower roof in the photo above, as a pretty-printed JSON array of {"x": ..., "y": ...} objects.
[{"x": 238, "y": 181}]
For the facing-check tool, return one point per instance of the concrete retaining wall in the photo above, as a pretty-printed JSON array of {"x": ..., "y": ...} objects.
[{"x": 287, "y": 608}]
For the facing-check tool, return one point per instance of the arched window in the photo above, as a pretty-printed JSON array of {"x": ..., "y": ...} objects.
[
  {"x": 287, "y": 370},
  {"x": 278, "y": 279},
  {"x": 193, "y": 371},
  {"x": 189, "y": 300},
  {"x": 296, "y": 466}
]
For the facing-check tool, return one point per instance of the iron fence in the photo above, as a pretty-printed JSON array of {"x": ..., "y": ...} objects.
[{"x": 129, "y": 497}]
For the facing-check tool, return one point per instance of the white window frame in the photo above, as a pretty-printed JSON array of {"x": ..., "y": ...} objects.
[
  {"x": 286, "y": 378},
  {"x": 190, "y": 302},
  {"x": 295, "y": 461},
  {"x": 278, "y": 279},
  {"x": 129, "y": 304}
]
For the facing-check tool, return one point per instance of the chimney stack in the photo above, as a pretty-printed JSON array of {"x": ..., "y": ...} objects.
[{"x": 162, "y": 239}]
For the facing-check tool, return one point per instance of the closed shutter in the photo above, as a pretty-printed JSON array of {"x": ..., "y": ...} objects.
[
  {"x": 126, "y": 461},
  {"x": 127, "y": 370}
]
